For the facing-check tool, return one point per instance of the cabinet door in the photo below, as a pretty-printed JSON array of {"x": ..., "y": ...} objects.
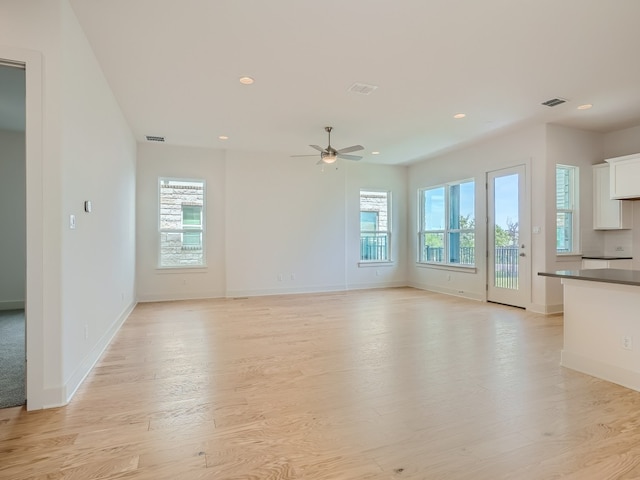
[
  {"x": 625, "y": 176},
  {"x": 608, "y": 214}
]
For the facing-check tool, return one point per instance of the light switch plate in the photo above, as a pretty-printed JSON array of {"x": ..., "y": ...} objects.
[{"x": 72, "y": 222}]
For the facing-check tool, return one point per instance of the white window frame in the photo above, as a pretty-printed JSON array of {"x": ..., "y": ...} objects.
[
  {"x": 379, "y": 232},
  {"x": 182, "y": 228},
  {"x": 447, "y": 230},
  {"x": 572, "y": 209}
]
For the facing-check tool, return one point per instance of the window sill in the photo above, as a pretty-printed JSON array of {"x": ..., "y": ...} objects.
[
  {"x": 183, "y": 269},
  {"x": 376, "y": 263},
  {"x": 453, "y": 268}
]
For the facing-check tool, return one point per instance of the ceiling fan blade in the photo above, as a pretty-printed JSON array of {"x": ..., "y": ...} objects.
[
  {"x": 349, "y": 157},
  {"x": 353, "y": 148},
  {"x": 320, "y": 149},
  {"x": 319, "y": 162}
]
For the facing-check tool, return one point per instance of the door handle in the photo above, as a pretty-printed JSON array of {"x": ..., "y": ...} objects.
[{"x": 522, "y": 254}]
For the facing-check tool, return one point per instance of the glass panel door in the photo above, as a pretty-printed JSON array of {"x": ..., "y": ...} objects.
[{"x": 508, "y": 237}]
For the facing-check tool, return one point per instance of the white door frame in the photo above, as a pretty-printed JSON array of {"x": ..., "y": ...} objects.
[{"x": 34, "y": 302}]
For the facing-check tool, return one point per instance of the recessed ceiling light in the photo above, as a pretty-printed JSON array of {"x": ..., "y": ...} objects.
[
  {"x": 375, "y": 153},
  {"x": 459, "y": 115},
  {"x": 586, "y": 106},
  {"x": 223, "y": 137},
  {"x": 246, "y": 80}
]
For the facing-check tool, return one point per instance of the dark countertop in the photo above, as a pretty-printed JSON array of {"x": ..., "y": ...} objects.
[
  {"x": 604, "y": 275},
  {"x": 605, "y": 257}
]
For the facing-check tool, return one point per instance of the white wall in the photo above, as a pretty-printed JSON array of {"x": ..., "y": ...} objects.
[
  {"x": 361, "y": 176},
  {"x": 98, "y": 161},
  {"x": 569, "y": 146},
  {"x": 284, "y": 217},
  {"x": 79, "y": 148},
  {"x": 526, "y": 147},
  {"x": 275, "y": 225},
  {"x": 13, "y": 246},
  {"x": 156, "y": 161}
]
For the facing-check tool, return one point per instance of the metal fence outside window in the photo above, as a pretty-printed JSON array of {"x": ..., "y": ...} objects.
[{"x": 374, "y": 247}]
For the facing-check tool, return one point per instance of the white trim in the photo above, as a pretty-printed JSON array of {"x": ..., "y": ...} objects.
[
  {"x": 173, "y": 296},
  {"x": 373, "y": 286},
  {"x": 374, "y": 263},
  {"x": 448, "y": 266},
  {"x": 546, "y": 309},
  {"x": 610, "y": 373},
  {"x": 285, "y": 291},
  {"x": 480, "y": 297},
  {"x": 87, "y": 364},
  {"x": 183, "y": 269},
  {"x": 34, "y": 301}
]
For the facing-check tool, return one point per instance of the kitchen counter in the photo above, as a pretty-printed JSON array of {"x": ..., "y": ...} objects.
[
  {"x": 601, "y": 323},
  {"x": 605, "y": 257},
  {"x": 604, "y": 275}
]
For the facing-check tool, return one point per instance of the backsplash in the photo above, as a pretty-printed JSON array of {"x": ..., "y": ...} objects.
[{"x": 619, "y": 242}]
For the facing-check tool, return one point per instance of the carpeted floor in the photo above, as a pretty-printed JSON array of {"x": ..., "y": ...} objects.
[{"x": 12, "y": 364}]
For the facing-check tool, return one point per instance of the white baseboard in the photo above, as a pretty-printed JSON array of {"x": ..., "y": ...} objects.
[
  {"x": 170, "y": 297},
  {"x": 285, "y": 291},
  {"x": 621, "y": 376},
  {"x": 370, "y": 286},
  {"x": 546, "y": 309},
  {"x": 450, "y": 291},
  {"x": 85, "y": 367},
  {"x": 12, "y": 305}
]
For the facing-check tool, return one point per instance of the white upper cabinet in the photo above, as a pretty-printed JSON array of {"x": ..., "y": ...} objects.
[
  {"x": 624, "y": 176},
  {"x": 608, "y": 214}
]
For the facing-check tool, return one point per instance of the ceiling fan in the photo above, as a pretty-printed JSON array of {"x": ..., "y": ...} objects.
[{"x": 330, "y": 155}]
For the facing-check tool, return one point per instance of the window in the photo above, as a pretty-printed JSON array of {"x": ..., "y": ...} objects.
[
  {"x": 567, "y": 240},
  {"x": 447, "y": 224},
  {"x": 375, "y": 226},
  {"x": 191, "y": 227},
  {"x": 181, "y": 223}
]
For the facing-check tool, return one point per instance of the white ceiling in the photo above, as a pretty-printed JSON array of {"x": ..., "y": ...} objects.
[{"x": 174, "y": 68}]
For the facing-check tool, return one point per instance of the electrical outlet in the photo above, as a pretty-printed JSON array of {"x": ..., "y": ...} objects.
[
  {"x": 619, "y": 249},
  {"x": 280, "y": 277},
  {"x": 627, "y": 342}
]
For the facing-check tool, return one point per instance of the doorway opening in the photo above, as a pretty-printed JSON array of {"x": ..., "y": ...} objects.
[{"x": 13, "y": 242}]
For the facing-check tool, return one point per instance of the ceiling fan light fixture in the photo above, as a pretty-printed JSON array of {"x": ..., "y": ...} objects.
[{"x": 329, "y": 158}]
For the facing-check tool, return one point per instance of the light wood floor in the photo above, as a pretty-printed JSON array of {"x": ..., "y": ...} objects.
[{"x": 380, "y": 384}]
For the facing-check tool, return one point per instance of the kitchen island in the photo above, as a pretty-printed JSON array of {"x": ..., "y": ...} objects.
[{"x": 602, "y": 323}]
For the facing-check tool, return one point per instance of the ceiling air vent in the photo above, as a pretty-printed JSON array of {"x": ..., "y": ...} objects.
[
  {"x": 554, "y": 101},
  {"x": 151, "y": 138},
  {"x": 362, "y": 88}
]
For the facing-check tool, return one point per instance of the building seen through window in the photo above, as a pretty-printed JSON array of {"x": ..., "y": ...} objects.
[{"x": 181, "y": 207}]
